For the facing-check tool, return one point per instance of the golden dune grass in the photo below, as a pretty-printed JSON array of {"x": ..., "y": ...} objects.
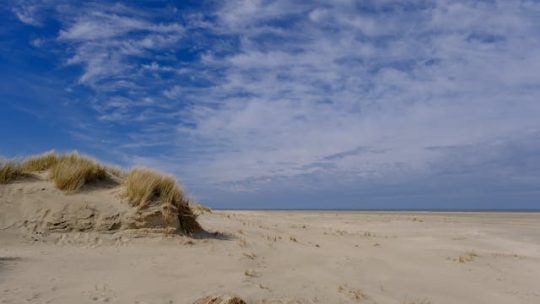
[
  {"x": 40, "y": 162},
  {"x": 71, "y": 172},
  {"x": 9, "y": 171},
  {"x": 145, "y": 187}
]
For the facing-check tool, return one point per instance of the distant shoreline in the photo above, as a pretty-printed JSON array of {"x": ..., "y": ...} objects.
[{"x": 389, "y": 210}]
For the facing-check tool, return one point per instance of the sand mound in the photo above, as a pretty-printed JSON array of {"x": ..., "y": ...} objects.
[{"x": 34, "y": 204}]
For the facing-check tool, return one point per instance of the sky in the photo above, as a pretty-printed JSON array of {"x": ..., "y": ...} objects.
[{"x": 286, "y": 104}]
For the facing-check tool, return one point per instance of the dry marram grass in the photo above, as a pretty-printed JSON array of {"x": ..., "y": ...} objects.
[
  {"x": 145, "y": 187},
  {"x": 9, "y": 171},
  {"x": 40, "y": 162},
  {"x": 71, "y": 172}
]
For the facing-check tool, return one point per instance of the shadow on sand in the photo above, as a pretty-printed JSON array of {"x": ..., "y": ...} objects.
[
  {"x": 6, "y": 262},
  {"x": 213, "y": 235}
]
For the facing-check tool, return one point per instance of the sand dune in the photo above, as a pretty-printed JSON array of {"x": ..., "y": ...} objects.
[
  {"x": 283, "y": 257},
  {"x": 70, "y": 192},
  {"x": 34, "y": 204}
]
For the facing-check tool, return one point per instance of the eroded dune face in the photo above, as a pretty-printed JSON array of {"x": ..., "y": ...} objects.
[{"x": 33, "y": 204}]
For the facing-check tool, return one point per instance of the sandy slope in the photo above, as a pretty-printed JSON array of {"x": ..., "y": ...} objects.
[{"x": 286, "y": 257}]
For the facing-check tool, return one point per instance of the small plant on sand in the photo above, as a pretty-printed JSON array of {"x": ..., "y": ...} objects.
[
  {"x": 250, "y": 255},
  {"x": 39, "y": 162},
  {"x": 145, "y": 187},
  {"x": 72, "y": 171},
  {"x": 467, "y": 257},
  {"x": 250, "y": 273},
  {"x": 9, "y": 171},
  {"x": 226, "y": 299},
  {"x": 242, "y": 243},
  {"x": 355, "y": 294}
]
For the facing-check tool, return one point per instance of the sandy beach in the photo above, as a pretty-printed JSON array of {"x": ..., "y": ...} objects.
[{"x": 286, "y": 257}]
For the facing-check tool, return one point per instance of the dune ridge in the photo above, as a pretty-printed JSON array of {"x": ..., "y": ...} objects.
[{"x": 55, "y": 192}]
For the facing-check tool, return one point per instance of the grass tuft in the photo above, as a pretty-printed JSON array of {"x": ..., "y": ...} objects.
[
  {"x": 145, "y": 187},
  {"x": 9, "y": 171},
  {"x": 469, "y": 256},
  {"x": 198, "y": 208},
  {"x": 39, "y": 162},
  {"x": 72, "y": 171}
]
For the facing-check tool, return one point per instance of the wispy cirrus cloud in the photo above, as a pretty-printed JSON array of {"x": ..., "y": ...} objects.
[
  {"x": 107, "y": 43},
  {"x": 28, "y": 12},
  {"x": 254, "y": 95}
]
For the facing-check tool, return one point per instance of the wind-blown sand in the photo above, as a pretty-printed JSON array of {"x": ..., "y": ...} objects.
[{"x": 286, "y": 257}]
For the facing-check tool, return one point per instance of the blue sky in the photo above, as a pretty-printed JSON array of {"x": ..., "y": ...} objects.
[{"x": 286, "y": 104}]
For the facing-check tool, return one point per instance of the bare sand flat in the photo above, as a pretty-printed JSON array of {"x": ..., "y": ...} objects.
[{"x": 286, "y": 257}]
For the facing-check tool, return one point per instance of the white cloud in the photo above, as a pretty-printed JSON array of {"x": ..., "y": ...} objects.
[
  {"x": 26, "y": 12},
  {"x": 110, "y": 41}
]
